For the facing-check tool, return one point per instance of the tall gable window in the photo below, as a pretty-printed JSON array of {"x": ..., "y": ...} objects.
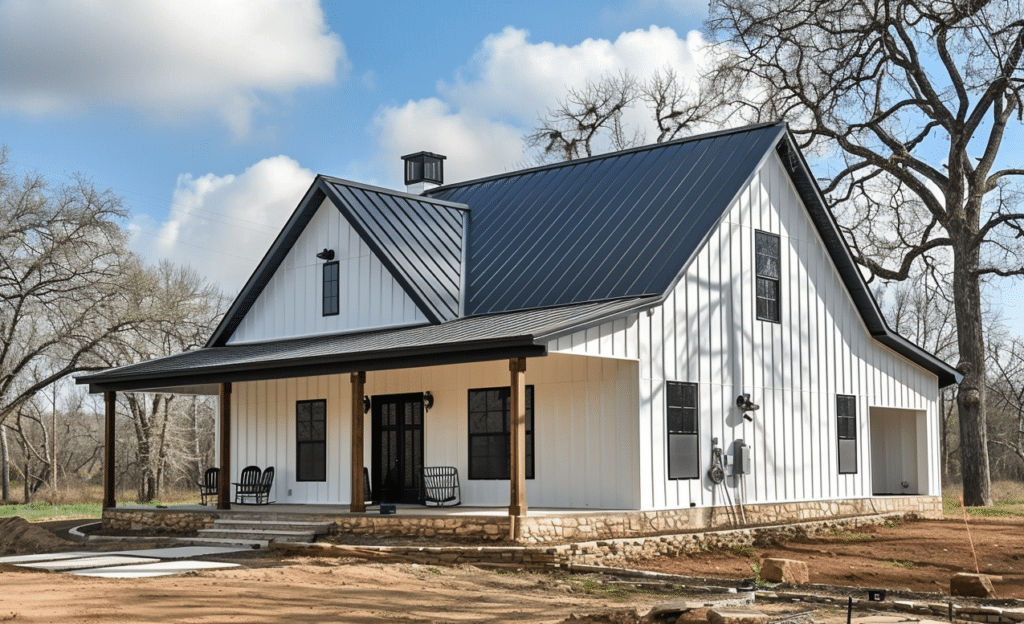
[
  {"x": 766, "y": 260},
  {"x": 311, "y": 440},
  {"x": 846, "y": 417},
  {"x": 489, "y": 410},
  {"x": 330, "y": 288},
  {"x": 681, "y": 424}
]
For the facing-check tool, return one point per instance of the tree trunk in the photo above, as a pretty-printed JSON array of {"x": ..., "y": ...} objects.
[
  {"x": 5, "y": 465},
  {"x": 970, "y": 399},
  {"x": 27, "y": 488}
]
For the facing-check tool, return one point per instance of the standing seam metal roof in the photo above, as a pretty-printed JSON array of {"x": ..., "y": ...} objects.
[{"x": 620, "y": 225}]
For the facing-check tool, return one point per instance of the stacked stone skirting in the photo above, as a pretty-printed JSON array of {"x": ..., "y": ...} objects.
[{"x": 570, "y": 528}]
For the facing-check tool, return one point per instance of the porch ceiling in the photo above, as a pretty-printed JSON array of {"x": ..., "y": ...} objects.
[{"x": 474, "y": 339}]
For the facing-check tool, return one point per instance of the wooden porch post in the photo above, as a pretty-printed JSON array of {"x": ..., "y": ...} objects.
[
  {"x": 358, "y": 505},
  {"x": 517, "y": 444},
  {"x": 224, "y": 425},
  {"x": 110, "y": 408}
]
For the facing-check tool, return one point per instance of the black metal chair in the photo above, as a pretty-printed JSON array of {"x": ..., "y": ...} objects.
[
  {"x": 208, "y": 486},
  {"x": 440, "y": 486},
  {"x": 367, "y": 493},
  {"x": 249, "y": 485}
]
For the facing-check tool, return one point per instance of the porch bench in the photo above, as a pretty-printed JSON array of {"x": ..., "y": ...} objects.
[{"x": 439, "y": 486}]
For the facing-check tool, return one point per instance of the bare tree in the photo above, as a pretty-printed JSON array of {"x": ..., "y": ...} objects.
[
  {"x": 67, "y": 282},
  {"x": 185, "y": 310},
  {"x": 590, "y": 120},
  {"x": 911, "y": 100},
  {"x": 1008, "y": 391}
]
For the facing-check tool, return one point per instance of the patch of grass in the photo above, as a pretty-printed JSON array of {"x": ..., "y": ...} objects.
[
  {"x": 1007, "y": 497},
  {"x": 34, "y": 512},
  {"x": 898, "y": 564}
]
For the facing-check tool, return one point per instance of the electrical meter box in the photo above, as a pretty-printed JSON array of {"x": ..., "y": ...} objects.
[{"x": 741, "y": 460}]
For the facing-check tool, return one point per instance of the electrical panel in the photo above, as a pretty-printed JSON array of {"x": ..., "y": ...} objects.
[{"x": 741, "y": 460}]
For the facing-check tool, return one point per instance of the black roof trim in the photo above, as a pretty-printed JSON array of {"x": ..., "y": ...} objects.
[{"x": 799, "y": 171}]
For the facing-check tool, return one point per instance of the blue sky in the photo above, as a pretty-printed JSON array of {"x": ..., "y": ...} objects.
[{"x": 211, "y": 118}]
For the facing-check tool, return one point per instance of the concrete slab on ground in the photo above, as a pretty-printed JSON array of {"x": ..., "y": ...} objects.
[
  {"x": 16, "y": 559},
  {"x": 180, "y": 552},
  {"x": 161, "y": 568}
]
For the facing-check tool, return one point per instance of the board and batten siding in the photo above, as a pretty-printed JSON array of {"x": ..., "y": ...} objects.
[
  {"x": 586, "y": 434},
  {"x": 707, "y": 332},
  {"x": 291, "y": 303}
]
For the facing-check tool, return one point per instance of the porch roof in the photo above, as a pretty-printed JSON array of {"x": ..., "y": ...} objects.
[{"x": 523, "y": 333}]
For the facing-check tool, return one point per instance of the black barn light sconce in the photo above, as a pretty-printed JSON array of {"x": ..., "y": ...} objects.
[
  {"x": 746, "y": 406},
  {"x": 428, "y": 400},
  {"x": 326, "y": 254},
  {"x": 366, "y": 404}
]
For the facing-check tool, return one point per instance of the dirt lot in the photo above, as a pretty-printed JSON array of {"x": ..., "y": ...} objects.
[
  {"x": 919, "y": 556},
  {"x": 915, "y": 556}
]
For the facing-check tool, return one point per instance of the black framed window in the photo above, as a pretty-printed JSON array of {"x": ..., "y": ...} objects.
[
  {"x": 311, "y": 440},
  {"x": 766, "y": 261},
  {"x": 330, "y": 288},
  {"x": 681, "y": 425},
  {"x": 846, "y": 427},
  {"x": 489, "y": 410}
]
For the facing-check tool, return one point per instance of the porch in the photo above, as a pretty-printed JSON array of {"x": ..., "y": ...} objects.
[{"x": 537, "y": 526}]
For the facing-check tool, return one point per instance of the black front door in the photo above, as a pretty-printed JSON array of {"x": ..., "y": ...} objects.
[{"x": 397, "y": 447}]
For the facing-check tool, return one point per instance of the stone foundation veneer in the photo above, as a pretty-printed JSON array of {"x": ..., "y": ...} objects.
[{"x": 572, "y": 527}]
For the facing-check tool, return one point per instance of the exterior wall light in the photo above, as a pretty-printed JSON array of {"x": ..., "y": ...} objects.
[
  {"x": 746, "y": 406},
  {"x": 428, "y": 401},
  {"x": 326, "y": 254},
  {"x": 366, "y": 404}
]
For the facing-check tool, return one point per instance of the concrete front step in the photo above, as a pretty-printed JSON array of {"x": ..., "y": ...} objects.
[
  {"x": 264, "y": 530},
  {"x": 318, "y": 528},
  {"x": 250, "y": 543},
  {"x": 258, "y": 534}
]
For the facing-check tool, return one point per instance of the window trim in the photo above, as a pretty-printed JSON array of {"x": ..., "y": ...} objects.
[
  {"x": 759, "y": 236},
  {"x": 531, "y": 429},
  {"x": 335, "y": 289},
  {"x": 850, "y": 435},
  {"x": 300, "y": 444},
  {"x": 694, "y": 469}
]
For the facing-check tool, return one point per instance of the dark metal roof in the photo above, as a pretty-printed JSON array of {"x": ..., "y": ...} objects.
[
  {"x": 617, "y": 225},
  {"x": 512, "y": 334},
  {"x": 420, "y": 240},
  {"x": 547, "y": 246}
]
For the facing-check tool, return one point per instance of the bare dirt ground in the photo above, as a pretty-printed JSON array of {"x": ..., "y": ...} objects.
[
  {"x": 915, "y": 556},
  {"x": 919, "y": 556}
]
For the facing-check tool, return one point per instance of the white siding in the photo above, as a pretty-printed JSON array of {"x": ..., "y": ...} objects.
[
  {"x": 586, "y": 433},
  {"x": 291, "y": 303},
  {"x": 707, "y": 332}
]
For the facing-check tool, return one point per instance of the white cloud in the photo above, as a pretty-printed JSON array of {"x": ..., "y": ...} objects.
[
  {"x": 223, "y": 225},
  {"x": 478, "y": 119},
  {"x": 167, "y": 58}
]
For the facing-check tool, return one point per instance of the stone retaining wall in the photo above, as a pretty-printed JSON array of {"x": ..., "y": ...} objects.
[
  {"x": 549, "y": 529},
  {"x": 156, "y": 520}
]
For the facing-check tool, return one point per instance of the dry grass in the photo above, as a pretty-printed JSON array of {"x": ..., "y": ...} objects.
[
  {"x": 1007, "y": 497},
  {"x": 82, "y": 501}
]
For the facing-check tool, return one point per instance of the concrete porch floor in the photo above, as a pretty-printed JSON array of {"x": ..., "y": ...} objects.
[{"x": 408, "y": 510}]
